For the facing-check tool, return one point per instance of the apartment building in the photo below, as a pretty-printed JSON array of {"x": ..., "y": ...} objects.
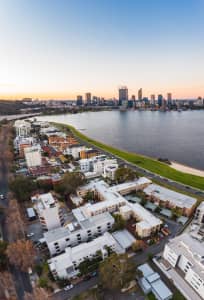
[
  {"x": 74, "y": 150},
  {"x": 22, "y": 128},
  {"x": 187, "y": 254},
  {"x": 80, "y": 229},
  {"x": 199, "y": 213},
  {"x": 171, "y": 199},
  {"x": 48, "y": 210},
  {"x": 66, "y": 265}
]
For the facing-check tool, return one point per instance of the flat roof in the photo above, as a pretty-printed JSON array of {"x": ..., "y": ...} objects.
[
  {"x": 164, "y": 194},
  {"x": 161, "y": 289},
  {"x": 124, "y": 238},
  {"x": 146, "y": 269},
  {"x": 80, "y": 224},
  {"x": 192, "y": 249}
]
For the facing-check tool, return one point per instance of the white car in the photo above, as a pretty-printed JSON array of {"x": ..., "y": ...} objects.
[
  {"x": 1, "y": 196},
  {"x": 30, "y": 234},
  {"x": 68, "y": 287}
]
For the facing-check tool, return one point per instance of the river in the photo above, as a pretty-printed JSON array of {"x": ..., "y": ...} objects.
[{"x": 178, "y": 136}]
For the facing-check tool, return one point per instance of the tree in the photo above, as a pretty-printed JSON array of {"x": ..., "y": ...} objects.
[
  {"x": 21, "y": 254},
  {"x": 22, "y": 187},
  {"x": 137, "y": 245},
  {"x": 119, "y": 222},
  {"x": 7, "y": 286},
  {"x": 70, "y": 182},
  {"x": 3, "y": 256},
  {"x": 37, "y": 294},
  {"x": 123, "y": 174},
  {"x": 15, "y": 224},
  {"x": 116, "y": 271}
]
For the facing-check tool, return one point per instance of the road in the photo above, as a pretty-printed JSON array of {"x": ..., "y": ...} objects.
[{"x": 21, "y": 280}]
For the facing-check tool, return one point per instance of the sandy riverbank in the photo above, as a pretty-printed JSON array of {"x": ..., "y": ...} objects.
[{"x": 186, "y": 169}]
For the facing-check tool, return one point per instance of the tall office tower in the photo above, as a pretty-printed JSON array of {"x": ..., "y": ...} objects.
[
  {"x": 79, "y": 100},
  {"x": 140, "y": 94},
  {"x": 133, "y": 98},
  {"x": 152, "y": 99},
  {"x": 88, "y": 98},
  {"x": 123, "y": 95},
  {"x": 160, "y": 99},
  {"x": 169, "y": 98}
]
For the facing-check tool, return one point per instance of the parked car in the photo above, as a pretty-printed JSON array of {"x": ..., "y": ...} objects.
[
  {"x": 68, "y": 287},
  {"x": 30, "y": 234}
]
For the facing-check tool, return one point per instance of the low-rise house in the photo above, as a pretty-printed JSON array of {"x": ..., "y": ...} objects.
[
  {"x": 151, "y": 282},
  {"x": 171, "y": 199},
  {"x": 80, "y": 229},
  {"x": 66, "y": 265},
  {"x": 33, "y": 156},
  {"x": 48, "y": 210}
]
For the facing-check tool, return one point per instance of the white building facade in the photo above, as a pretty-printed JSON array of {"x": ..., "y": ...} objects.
[{"x": 187, "y": 254}]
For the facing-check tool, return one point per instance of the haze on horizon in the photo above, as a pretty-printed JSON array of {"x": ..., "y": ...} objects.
[{"x": 58, "y": 49}]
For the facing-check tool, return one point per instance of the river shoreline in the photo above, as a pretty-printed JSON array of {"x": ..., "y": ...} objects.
[{"x": 186, "y": 169}]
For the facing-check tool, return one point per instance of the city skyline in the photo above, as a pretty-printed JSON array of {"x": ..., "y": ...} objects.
[{"x": 60, "y": 50}]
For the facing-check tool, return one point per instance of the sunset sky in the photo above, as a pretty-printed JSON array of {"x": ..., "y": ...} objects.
[{"x": 61, "y": 48}]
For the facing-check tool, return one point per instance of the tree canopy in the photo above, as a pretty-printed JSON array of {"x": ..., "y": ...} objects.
[
  {"x": 70, "y": 182},
  {"x": 123, "y": 174},
  {"x": 22, "y": 187},
  {"x": 116, "y": 271}
]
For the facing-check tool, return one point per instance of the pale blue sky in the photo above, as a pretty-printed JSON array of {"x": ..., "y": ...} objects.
[{"x": 67, "y": 47}]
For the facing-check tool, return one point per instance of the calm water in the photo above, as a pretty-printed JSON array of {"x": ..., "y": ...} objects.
[{"x": 173, "y": 135}]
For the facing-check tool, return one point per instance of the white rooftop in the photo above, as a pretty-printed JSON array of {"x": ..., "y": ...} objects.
[
  {"x": 178, "y": 199},
  {"x": 124, "y": 238}
]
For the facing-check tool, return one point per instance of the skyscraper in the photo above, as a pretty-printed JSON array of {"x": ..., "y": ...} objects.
[
  {"x": 169, "y": 98},
  {"x": 123, "y": 95},
  {"x": 88, "y": 98},
  {"x": 140, "y": 94},
  {"x": 152, "y": 99},
  {"x": 160, "y": 99},
  {"x": 79, "y": 100}
]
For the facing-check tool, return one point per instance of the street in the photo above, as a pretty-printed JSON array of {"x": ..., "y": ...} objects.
[{"x": 21, "y": 280}]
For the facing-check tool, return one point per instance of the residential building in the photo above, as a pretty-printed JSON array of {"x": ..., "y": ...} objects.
[
  {"x": 112, "y": 201},
  {"x": 48, "y": 210},
  {"x": 22, "y": 128},
  {"x": 88, "y": 153},
  {"x": 33, "y": 156},
  {"x": 80, "y": 228},
  {"x": 171, "y": 199},
  {"x": 74, "y": 150},
  {"x": 199, "y": 214},
  {"x": 110, "y": 170},
  {"x": 66, "y": 265},
  {"x": 187, "y": 255}
]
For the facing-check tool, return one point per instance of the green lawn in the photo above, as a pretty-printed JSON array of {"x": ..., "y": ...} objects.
[{"x": 145, "y": 162}]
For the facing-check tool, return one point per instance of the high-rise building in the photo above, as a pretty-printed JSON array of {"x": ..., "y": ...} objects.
[
  {"x": 88, "y": 98},
  {"x": 169, "y": 98},
  {"x": 160, "y": 99},
  {"x": 79, "y": 100},
  {"x": 140, "y": 94},
  {"x": 133, "y": 98},
  {"x": 152, "y": 99},
  {"x": 123, "y": 95}
]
